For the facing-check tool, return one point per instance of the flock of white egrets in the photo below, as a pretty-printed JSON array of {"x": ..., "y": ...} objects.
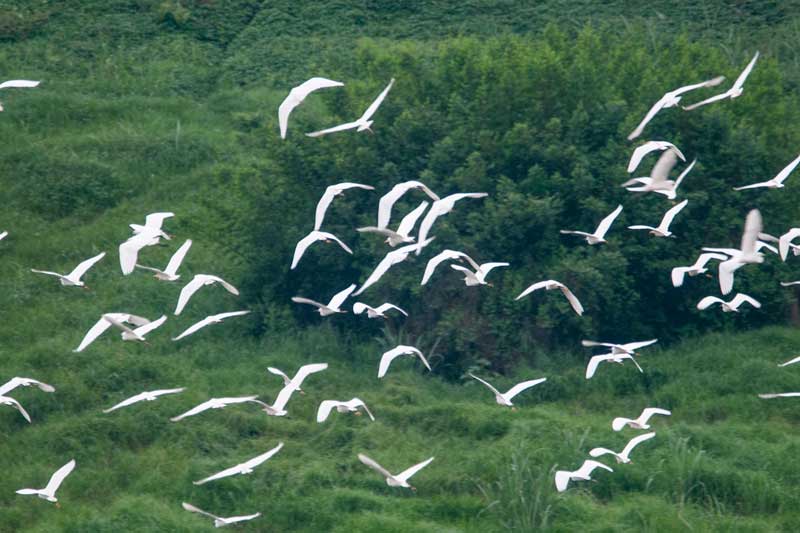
[{"x": 134, "y": 328}]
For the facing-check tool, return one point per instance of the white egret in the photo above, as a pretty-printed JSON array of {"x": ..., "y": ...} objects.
[
  {"x": 330, "y": 193},
  {"x": 375, "y": 312},
  {"x": 207, "y": 321},
  {"x": 663, "y": 228},
  {"x": 628, "y": 348},
  {"x": 551, "y": 284},
  {"x": 310, "y": 239},
  {"x": 363, "y": 122},
  {"x": 728, "y": 307},
  {"x": 198, "y": 281},
  {"x": 49, "y": 492},
  {"x": 350, "y": 406},
  {"x": 397, "y": 351},
  {"x": 8, "y": 400},
  {"x": 296, "y": 97},
  {"x": 395, "y": 480},
  {"x": 143, "y": 396},
  {"x": 107, "y": 320},
  {"x": 446, "y": 255},
  {"x": 401, "y": 236},
  {"x": 129, "y": 250},
  {"x": 599, "y": 234},
  {"x": 671, "y": 99},
  {"x": 504, "y": 398},
  {"x": 388, "y": 200},
  {"x": 733, "y": 92},
  {"x": 584, "y": 473},
  {"x": 17, "y": 84},
  {"x": 785, "y": 242},
  {"x": 333, "y": 307},
  {"x": 73, "y": 279},
  {"x": 219, "y": 521},
  {"x": 278, "y": 408},
  {"x": 242, "y": 468},
  {"x": 15, "y": 382},
  {"x": 392, "y": 258},
  {"x": 442, "y": 207},
  {"x": 170, "y": 273},
  {"x": 658, "y": 181},
  {"x": 639, "y": 423},
  {"x": 650, "y": 146},
  {"x": 479, "y": 276},
  {"x": 595, "y": 361},
  {"x": 152, "y": 225},
  {"x": 777, "y": 181},
  {"x": 697, "y": 268},
  {"x": 624, "y": 455},
  {"x": 213, "y": 403},
  {"x": 747, "y": 254}
]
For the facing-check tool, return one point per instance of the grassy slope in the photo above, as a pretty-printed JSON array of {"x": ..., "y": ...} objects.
[{"x": 107, "y": 123}]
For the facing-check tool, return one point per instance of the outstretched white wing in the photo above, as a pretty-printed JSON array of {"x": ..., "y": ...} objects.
[
  {"x": 374, "y": 465},
  {"x": 635, "y": 441},
  {"x": 341, "y": 127},
  {"x": 491, "y": 388},
  {"x": 646, "y": 148},
  {"x": 602, "y": 229},
  {"x": 376, "y": 103},
  {"x": 739, "y": 83},
  {"x": 519, "y": 387},
  {"x": 296, "y": 97},
  {"x": 193, "y": 509},
  {"x": 58, "y": 477},
  {"x": 339, "y": 298},
  {"x": 18, "y": 84},
  {"x": 408, "y": 222},
  {"x": 708, "y": 301},
  {"x": 406, "y": 474},
  {"x": 741, "y": 298},
  {"x": 81, "y": 269},
  {"x": 177, "y": 258},
  {"x": 388, "y": 200},
  {"x": 96, "y": 330},
  {"x": 387, "y": 306},
  {"x": 669, "y": 215}
]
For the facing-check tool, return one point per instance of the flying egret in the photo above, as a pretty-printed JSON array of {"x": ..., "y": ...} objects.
[
  {"x": 117, "y": 320},
  {"x": 143, "y": 396},
  {"x": 671, "y": 99},
  {"x": 8, "y": 400},
  {"x": 388, "y": 200},
  {"x": 446, "y": 255},
  {"x": 440, "y": 208},
  {"x": 152, "y": 224},
  {"x": 278, "y": 408},
  {"x": 628, "y": 348},
  {"x": 733, "y": 92},
  {"x": 777, "y": 181},
  {"x": 504, "y": 398},
  {"x": 363, "y": 122},
  {"x": 170, "y": 273},
  {"x": 728, "y": 307},
  {"x": 392, "y": 258},
  {"x": 17, "y": 84},
  {"x": 624, "y": 455},
  {"x": 646, "y": 148},
  {"x": 658, "y": 181},
  {"x": 780, "y": 395},
  {"x": 198, "y": 281},
  {"x": 599, "y": 234},
  {"x": 129, "y": 250},
  {"x": 551, "y": 284},
  {"x": 787, "y": 363},
  {"x": 49, "y": 492},
  {"x": 219, "y": 521},
  {"x": 296, "y": 97},
  {"x": 310, "y": 239},
  {"x": 73, "y": 279},
  {"x": 213, "y": 403},
  {"x": 401, "y": 236},
  {"x": 563, "y": 477},
  {"x": 15, "y": 382},
  {"x": 396, "y": 480},
  {"x": 330, "y": 193},
  {"x": 595, "y": 361},
  {"x": 350, "y": 406},
  {"x": 639, "y": 423},
  {"x": 696, "y": 269},
  {"x": 397, "y": 351},
  {"x": 333, "y": 307},
  {"x": 663, "y": 228},
  {"x": 242, "y": 468},
  {"x": 479, "y": 276},
  {"x": 207, "y": 321},
  {"x": 785, "y": 242},
  {"x": 375, "y": 312},
  {"x": 747, "y": 254}
]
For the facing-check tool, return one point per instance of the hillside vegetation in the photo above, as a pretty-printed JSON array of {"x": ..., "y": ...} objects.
[{"x": 149, "y": 105}]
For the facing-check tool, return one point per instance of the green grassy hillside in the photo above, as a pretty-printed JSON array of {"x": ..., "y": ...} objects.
[{"x": 150, "y": 105}]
